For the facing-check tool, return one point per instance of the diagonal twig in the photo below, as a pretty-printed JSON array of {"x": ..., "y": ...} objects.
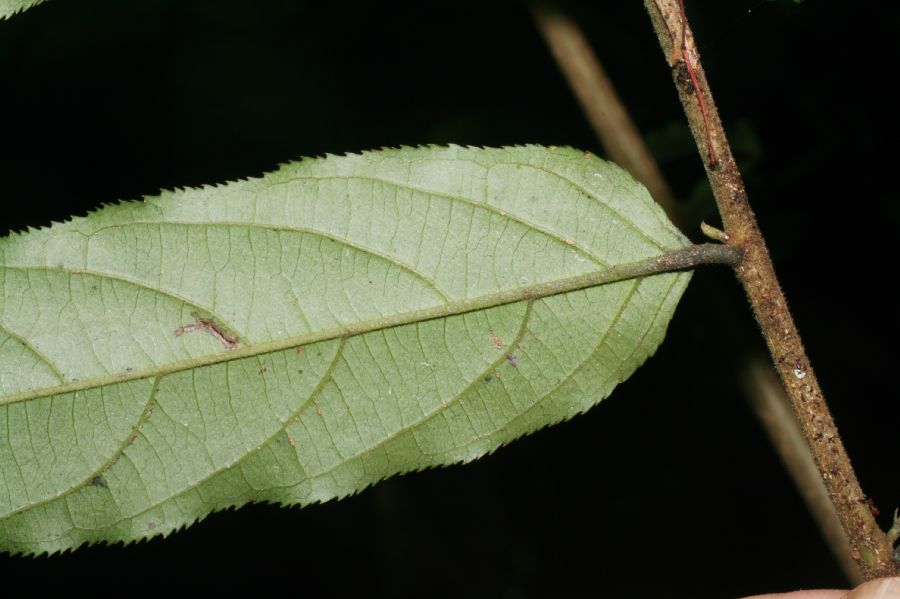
[
  {"x": 617, "y": 133},
  {"x": 869, "y": 546}
]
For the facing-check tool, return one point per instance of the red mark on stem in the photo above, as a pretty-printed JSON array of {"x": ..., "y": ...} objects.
[
  {"x": 694, "y": 86},
  {"x": 871, "y": 505},
  {"x": 210, "y": 326}
]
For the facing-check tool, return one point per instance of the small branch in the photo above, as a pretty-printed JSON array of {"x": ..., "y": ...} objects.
[
  {"x": 600, "y": 102},
  {"x": 869, "y": 546},
  {"x": 894, "y": 532},
  {"x": 613, "y": 126},
  {"x": 772, "y": 407}
]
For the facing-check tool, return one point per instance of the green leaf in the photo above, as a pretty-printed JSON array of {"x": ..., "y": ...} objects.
[
  {"x": 298, "y": 337},
  {"x": 10, "y": 7}
]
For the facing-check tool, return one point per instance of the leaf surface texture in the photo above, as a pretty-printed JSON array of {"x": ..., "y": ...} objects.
[{"x": 297, "y": 337}]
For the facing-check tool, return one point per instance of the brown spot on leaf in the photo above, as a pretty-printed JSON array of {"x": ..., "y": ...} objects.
[
  {"x": 497, "y": 341},
  {"x": 211, "y": 327}
]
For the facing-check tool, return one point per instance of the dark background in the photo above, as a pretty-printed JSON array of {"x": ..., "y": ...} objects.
[{"x": 669, "y": 488}]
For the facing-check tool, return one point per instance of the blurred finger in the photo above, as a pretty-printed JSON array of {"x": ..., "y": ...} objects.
[
  {"x": 882, "y": 588},
  {"x": 826, "y": 594}
]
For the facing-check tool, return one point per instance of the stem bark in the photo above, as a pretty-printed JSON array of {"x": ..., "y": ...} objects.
[
  {"x": 869, "y": 546},
  {"x": 619, "y": 136}
]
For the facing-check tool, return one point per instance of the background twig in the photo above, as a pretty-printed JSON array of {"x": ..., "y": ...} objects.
[{"x": 601, "y": 103}]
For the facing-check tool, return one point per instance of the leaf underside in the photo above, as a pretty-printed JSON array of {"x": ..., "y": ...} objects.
[{"x": 298, "y": 337}]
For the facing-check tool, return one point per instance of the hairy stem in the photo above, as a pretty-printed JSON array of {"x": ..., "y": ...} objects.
[
  {"x": 618, "y": 135},
  {"x": 869, "y": 546}
]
